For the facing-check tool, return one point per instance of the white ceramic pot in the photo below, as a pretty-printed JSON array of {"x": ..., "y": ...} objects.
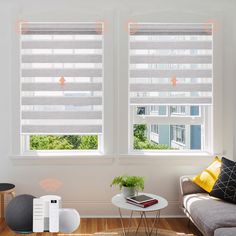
[{"x": 128, "y": 191}]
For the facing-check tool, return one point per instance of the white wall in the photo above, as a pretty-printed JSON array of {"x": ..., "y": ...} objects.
[{"x": 86, "y": 183}]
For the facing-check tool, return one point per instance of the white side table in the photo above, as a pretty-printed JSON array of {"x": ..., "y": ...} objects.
[{"x": 120, "y": 202}]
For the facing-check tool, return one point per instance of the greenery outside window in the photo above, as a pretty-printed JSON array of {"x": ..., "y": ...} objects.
[{"x": 64, "y": 142}]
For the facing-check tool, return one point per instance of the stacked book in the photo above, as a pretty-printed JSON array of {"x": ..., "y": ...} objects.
[{"x": 141, "y": 201}]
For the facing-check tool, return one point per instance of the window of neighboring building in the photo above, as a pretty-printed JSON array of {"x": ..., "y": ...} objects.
[
  {"x": 178, "y": 133},
  {"x": 170, "y": 81},
  {"x": 178, "y": 110},
  {"x": 61, "y": 86}
]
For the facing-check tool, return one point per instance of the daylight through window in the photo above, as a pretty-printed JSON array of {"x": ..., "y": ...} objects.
[
  {"x": 61, "y": 86},
  {"x": 170, "y": 80}
]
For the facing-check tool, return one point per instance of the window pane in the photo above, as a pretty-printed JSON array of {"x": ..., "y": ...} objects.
[
  {"x": 63, "y": 142},
  {"x": 167, "y": 137}
]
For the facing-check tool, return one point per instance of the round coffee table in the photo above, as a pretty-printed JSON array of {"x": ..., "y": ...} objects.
[
  {"x": 120, "y": 202},
  {"x": 6, "y": 188}
]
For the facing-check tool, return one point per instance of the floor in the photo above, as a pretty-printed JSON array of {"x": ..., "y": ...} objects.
[{"x": 88, "y": 226}]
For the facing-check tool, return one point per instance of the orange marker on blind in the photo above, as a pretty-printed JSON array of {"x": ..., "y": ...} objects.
[
  {"x": 62, "y": 81},
  {"x": 22, "y": 26},
  {"x": 132, "y": 30},
  {"x": 174, "y": 81},
  {"x": 215, "y": 26},
  {"x": 101, "y": 27}
]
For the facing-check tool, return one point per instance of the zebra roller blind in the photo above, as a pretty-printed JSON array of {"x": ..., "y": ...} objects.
[
  {"x": 170, "y": 64},
  {"x": 61, "y": 78}
]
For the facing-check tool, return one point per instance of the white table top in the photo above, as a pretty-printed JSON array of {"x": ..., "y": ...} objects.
[{"x": 120, "y": 202}]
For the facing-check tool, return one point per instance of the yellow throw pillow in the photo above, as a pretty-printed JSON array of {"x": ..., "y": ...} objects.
[{"x": 207, "y": 178}]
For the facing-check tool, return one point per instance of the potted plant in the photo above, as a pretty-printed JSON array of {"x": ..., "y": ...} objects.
[{"x": 130, "y": 185}]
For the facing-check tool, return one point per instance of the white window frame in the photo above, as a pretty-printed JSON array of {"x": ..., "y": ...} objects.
[
  {"x": 171, "y": 119},
  {"x": 212, "y": 146},
  {"x": 178, "y": 142},
  {"x": 25, "y": 139},
  {"x": 107, "y": 142}
]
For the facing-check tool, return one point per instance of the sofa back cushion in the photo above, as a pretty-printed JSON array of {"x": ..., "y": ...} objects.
[
  {"x": 207, "y": 178},
  {"x": 225, "y": 186}
]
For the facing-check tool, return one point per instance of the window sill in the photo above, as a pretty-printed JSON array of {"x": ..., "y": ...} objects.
[
  {"x": 170, "y": 158},
  {"x": 61, "y": 159},
  {"x": 180, "y": 158}
]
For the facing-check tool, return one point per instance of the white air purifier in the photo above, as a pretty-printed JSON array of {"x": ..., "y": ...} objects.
[
  {"x": 69, "y": 220},
  {"x": 47, "y": 199}
]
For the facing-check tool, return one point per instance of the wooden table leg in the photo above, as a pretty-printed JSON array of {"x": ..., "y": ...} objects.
[{"x": 2, "y": 205}]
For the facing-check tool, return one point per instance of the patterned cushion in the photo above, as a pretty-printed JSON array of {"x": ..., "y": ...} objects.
[{"x": 225, "y": 186}]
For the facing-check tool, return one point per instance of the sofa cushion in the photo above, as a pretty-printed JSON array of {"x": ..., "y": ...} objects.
[
  {"x": 225, "y": 232},
  {"x": 209, "y": 213},
  {"x": 207, "y": 178},
  {"x": 225, "y": 186}
]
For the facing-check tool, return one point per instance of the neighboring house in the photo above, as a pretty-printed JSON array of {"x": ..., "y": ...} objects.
[{"x": 176, "y": 136}]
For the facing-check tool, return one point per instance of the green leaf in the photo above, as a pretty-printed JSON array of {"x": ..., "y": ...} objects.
[{"x": 136, "y": 182}]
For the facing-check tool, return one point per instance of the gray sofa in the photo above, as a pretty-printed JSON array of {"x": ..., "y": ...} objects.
[{"x": 213, "y": 217}]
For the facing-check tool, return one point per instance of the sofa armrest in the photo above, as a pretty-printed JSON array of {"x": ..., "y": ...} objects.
[{"x": 187, "y": 186}]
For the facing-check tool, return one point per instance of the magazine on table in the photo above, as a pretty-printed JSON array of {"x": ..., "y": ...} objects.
[{"x": 142, "y": 201}]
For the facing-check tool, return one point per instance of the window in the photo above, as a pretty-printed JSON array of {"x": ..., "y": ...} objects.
[
  {"x": 178, "y": 135},
  {"x": 61, "y": 86},
  {"x": 170, "y": 81},
  {"x": 177, "y": 110}
]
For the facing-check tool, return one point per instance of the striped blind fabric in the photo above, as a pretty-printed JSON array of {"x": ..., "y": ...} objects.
[
  {"x": 61, "y": 78},
  {"x": 170, "y": 64}
]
